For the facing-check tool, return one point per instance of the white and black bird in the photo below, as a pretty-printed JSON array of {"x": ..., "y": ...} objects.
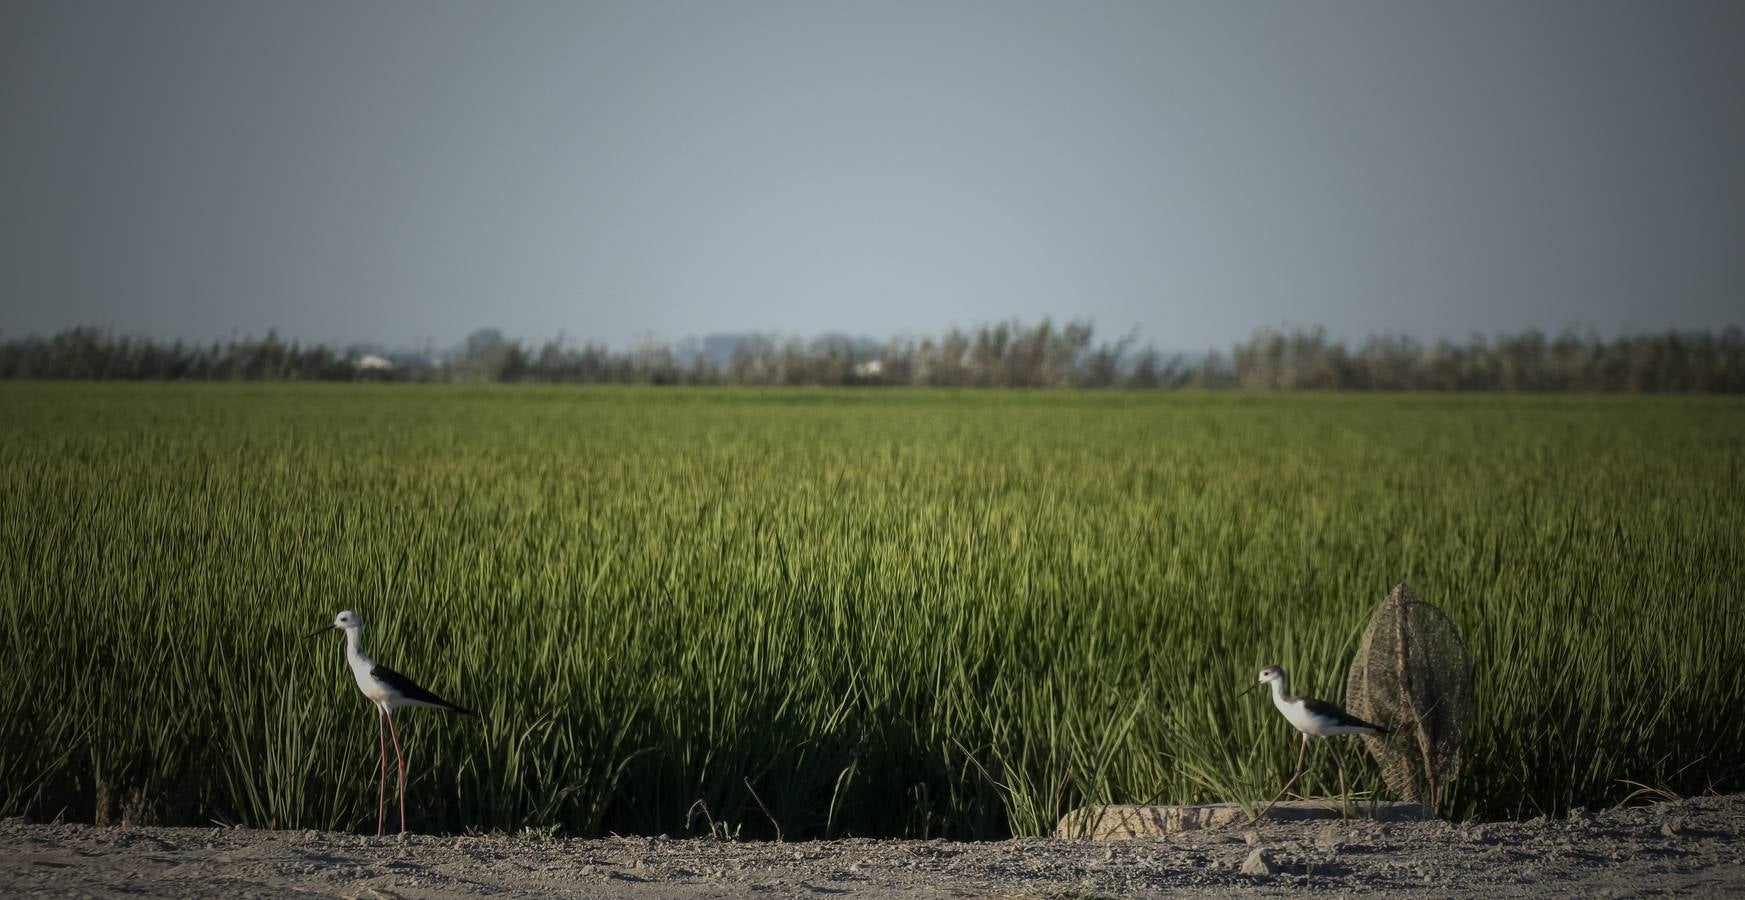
[
  {"x": 1314, "y": 718},
  {"x": 388, "y": 690}
]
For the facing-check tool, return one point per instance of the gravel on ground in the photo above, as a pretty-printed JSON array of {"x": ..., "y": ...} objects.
[{"x": 1694, "y": 846}]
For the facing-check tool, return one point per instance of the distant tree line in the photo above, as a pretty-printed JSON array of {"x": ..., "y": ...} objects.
[
  {"x": 1668, "y": 362},
  {"x": 1004, "y": 354}
]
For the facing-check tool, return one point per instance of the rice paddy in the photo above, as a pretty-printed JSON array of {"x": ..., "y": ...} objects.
[{"x": 834, "y": 612}]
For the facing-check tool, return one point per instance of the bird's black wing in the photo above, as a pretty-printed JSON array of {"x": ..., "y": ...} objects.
[
  {"x": 1328, "y": 710},
  {"x": 412, "y": 691}
]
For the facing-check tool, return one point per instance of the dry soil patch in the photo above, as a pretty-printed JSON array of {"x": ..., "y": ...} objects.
[{"x": 1693, "y": 846}]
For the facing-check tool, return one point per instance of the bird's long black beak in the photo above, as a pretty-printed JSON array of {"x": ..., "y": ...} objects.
[
  {"x": 319, "y": 631},
  {"x": 1248, "y": 689}
]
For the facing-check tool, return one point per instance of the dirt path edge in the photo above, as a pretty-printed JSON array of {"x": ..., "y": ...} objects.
[{"x": 1694, "y": 846}]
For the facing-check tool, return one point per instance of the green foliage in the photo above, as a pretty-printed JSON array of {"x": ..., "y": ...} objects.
[{"x": 869, "y": 613}]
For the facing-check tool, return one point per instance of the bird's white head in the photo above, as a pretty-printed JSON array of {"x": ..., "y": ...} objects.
[
  {"x": 347, "y": 621},
  {"x": 1272, "y": 675}
]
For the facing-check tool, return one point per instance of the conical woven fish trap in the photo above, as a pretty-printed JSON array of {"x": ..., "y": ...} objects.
[{"x": 1413, "y": 674}]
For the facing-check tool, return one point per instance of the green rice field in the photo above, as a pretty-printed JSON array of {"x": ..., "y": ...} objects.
[{"x": 839, "y": 612}]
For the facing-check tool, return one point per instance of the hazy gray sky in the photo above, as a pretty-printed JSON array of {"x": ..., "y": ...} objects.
[{"x": 396, "y": 171}]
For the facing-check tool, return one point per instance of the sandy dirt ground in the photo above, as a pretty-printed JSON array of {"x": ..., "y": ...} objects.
[{"x": 1690, "y": 847}]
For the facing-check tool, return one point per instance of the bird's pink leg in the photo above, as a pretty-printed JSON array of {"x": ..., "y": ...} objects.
[
  {"x": 1294, "y": 776},
  {"x": 1344, "y": 804},
  {"x": 382, "y": 795},
  {"x": 402, "y": 762}
]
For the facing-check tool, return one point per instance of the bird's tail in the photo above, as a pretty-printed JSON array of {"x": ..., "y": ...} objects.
[
  {"x": 458, "y": 710},
  {"x": 1378, "y": 729}
]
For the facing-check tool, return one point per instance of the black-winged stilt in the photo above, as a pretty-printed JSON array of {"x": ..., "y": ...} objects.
[
  {"x": 1314, "y": 718},
  {"x": 388, "y": 690}
]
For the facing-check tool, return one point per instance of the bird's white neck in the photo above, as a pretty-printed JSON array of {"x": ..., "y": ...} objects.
[
  {"x": 1280, "y": 695},
  {"x": 354, "y": 646}
]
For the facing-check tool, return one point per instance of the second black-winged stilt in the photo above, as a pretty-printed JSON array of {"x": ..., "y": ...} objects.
[
  {"x": 1314, "y": 718},
  {"x": 388, "y": 690}
]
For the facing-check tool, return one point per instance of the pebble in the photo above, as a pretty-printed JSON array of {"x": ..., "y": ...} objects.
[
  {"x": 1327, "y": 839},
  {"x": 1251, "y": 838},
  {"x": 1259, "y": 862}
]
